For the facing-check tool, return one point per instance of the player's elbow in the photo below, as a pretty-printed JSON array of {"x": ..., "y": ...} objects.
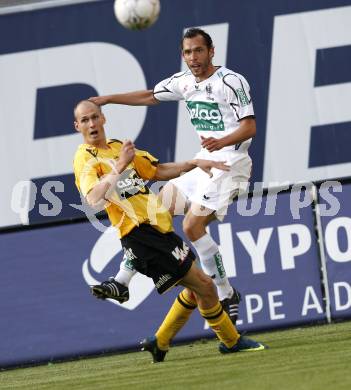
[
  {"x": 251, "y": 128},
  {"x": 151, "y": 100},
  {"x": 159, "y": 174},
  {"x": 253, "y": 131},
  {"x": 165, "y": 172}
]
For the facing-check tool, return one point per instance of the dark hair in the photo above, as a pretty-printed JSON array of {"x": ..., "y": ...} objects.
[{"x": 193, "y": 32}]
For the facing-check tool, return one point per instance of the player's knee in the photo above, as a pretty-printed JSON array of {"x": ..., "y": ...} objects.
[
  {"x": 190, "y": 228},
  {"x": 208, "y": 289},
  {"x": 172, "y": 199},
  {"x": 190, "y": 294},
  {"x": 186, "y": 227}
]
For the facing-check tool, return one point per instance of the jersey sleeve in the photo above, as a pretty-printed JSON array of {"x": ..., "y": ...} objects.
[
  {"x": 145, "y": 164},
  {"x": 237, "y": 92},
  {"x": 86, "y": 173},
  {"x": 168, "y": 89}
]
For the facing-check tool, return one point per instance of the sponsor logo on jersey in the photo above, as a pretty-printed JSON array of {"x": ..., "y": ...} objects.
[
  {"x": 244, "y": 100},
  {"x": 209, "y": 92},
  {"x": 130, "y": 184},
  {"x": 205, "y": 116},
  {"x": 93, "y": 151}
]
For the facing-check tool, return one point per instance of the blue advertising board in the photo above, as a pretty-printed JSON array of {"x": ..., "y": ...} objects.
[
  {"x": 48, "y": 313},
  {"x": 273, "y": 260},
  {"x": 336, "y": 228},
  {"x": 46, "y": 309}
]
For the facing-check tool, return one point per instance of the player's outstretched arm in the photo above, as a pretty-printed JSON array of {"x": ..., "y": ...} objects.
[
  {"x": 136, "y": 98},
  {"x": 207, "y": 165},
  {"x": 169, "y": 171}
]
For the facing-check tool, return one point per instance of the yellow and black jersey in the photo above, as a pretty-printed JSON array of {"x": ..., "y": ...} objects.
[{"x": 131, "y": 203}]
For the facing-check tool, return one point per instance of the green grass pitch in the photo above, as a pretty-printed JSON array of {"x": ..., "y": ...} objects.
[{"x": 308, "y": 358}]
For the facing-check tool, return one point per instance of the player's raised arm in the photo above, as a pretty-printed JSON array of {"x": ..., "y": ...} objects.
[
  {"x": 136, "y": 98},
  {"x": 100, "y": 190},
  {"x": 245, "y": 131}
]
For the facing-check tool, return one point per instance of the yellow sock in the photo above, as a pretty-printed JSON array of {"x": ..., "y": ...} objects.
[
  {"x": 221, "y": 324},
  {"x": 175, "y": 319}
]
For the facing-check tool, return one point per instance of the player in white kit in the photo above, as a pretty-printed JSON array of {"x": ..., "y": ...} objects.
[{"x": 221, "y": 111}]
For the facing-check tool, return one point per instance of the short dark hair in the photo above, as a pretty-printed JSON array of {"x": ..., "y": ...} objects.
[{"x": 193, "y": 32}]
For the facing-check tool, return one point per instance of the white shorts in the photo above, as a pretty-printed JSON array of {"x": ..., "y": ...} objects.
[{"x": 217, "y": 192}]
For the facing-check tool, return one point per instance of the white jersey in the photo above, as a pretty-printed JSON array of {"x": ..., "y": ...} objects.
[{"x": 215, "y": 105}]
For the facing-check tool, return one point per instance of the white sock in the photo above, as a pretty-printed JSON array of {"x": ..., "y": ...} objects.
[
  {"x": 212, "y": 265},
  {"x": 125, "y": 273}
]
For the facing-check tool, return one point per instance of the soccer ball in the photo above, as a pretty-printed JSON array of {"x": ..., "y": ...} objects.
[{"x": 137, "y": 14}]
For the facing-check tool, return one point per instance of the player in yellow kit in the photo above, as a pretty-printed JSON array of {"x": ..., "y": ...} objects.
[{"x": 113, "y": 173}]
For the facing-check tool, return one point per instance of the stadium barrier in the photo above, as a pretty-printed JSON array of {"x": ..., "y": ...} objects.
[{"x": 292, "y": 267}]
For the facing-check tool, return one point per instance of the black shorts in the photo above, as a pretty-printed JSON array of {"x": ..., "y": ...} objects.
[{"x": 164, "y": 257}]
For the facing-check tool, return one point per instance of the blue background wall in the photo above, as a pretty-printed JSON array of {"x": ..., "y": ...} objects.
[{"x": 40, "y": 113}]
